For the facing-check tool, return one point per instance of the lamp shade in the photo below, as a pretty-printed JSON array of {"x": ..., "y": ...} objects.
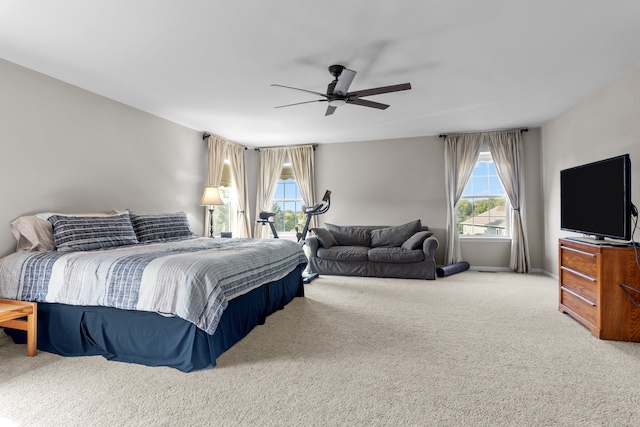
[{"x": 211, "y": 197}]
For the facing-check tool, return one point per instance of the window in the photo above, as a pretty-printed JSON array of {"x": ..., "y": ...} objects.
[
  {"x": 287, "y": 205},
  {"x": 483, "y": 209},
  {"x": 224, "y": 217}
]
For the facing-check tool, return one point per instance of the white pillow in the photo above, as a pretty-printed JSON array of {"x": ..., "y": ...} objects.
[{"x": 35, "y": 232}]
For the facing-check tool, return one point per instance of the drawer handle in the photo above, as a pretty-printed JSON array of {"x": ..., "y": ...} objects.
[
  {"x": 579, "y": 251},
  {"x": 591, "y": 303},
  {"x": 577, "y": 273}
]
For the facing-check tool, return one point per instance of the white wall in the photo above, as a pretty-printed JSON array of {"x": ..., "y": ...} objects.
[
  {"x": 605, "y": 124},
  {"x": 390, "y": 182},
  {"x": 68, "y": 150}
]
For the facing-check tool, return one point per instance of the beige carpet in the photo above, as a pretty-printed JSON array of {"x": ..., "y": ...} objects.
[{"x": 486, "y": 349}]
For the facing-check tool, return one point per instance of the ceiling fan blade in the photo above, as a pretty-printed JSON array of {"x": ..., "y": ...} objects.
[
  {"x": 303, "y": 90},
  {"x": 380, "y": 90},
  {"x": 300, "y": 103},
  {"x": 331, "y": 87},
  {"x": 366, "y": 103},
  {"x": 344, "y": 81},
  {"x": 330, "y": 110}
]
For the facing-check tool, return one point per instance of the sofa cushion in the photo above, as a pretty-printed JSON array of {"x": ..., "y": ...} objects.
[
  {"x": 416, "y": 241},
  {"x": 344, "y": 253},
  {"x": 325, "y": 237},
  {"x": 395, "y": 255},
  {"x": 350, "y": 235},
  {"x": 394, "y": 236}
]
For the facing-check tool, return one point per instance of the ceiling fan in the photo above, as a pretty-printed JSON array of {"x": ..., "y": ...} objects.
[{"x": 338, "y": 91}]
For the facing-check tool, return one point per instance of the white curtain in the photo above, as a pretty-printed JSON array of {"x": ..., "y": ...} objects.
[
  {"x": 217, "y": 152},
  {"x": 239, "y": 176},
  {"x": 506, "y": 150},
  {"x": 302, "y": 163},
  {"x": 271, "y": 161},
  {"x": 460, "y": 156},
  {"x": 220, "y": 149}
]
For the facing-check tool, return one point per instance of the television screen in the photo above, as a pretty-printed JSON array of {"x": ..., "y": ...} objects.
[{"x": 595, "y": 199}]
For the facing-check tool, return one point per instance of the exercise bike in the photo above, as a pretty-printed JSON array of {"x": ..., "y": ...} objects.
[
  {"x": 312, "y": 211},
  {"x": 319, "y": 209},
  {"x": 265, "y": 218}
]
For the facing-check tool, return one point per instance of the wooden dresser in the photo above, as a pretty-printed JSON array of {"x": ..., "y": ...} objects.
[{"x": 590, "y": 276}]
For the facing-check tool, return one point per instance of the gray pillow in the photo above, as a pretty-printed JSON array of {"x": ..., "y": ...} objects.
[
  {"x": 85, "y": 233},
  {"x": 347, "y": 235},
  {"x": 415, "y": 242},
  {"x": 161, "y": 226},
  {"x": 325, "y": 237},
  {"x": 394, "y": 236}
]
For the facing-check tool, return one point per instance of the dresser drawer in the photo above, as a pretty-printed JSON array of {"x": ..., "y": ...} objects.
[
  {"x": 585, "y": 286},
  {"x": 581, "y": 262},
  {"x": 584, "y": 308}
]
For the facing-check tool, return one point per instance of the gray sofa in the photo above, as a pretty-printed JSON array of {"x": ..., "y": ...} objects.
[{"x": 406, "y": 251}]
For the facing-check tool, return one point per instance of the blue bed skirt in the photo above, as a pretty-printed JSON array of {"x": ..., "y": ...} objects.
[{"x": 154, "y": 340}]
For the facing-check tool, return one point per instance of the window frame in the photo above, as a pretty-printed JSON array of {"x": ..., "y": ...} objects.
[
  {"x": 299, "y": 203},
  {"x": 230, "y": 206},
  {"x": 228, "y": 195},
  {"x": 485, "y": 156}
]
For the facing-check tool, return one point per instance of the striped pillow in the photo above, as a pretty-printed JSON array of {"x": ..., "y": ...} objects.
[
  {"x": 154, "y": 227},
  {"x": 85, "y": 233}
]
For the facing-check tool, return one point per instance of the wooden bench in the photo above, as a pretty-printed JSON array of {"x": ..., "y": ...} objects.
[{"x": 12, "y": 315}]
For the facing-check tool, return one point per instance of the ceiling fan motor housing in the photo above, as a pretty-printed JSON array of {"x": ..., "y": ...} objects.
[{"x": 336, "y": 70}]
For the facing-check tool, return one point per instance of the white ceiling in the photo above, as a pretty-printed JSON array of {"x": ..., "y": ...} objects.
[{"x": 208, "y": 65}]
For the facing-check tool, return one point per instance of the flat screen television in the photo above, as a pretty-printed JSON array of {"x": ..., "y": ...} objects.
[{"x": 595, "y": 199}]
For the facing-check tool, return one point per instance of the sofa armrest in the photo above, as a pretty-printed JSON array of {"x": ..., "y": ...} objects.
[
  {"x": 313, "y": 244},
  {"x": 429, "y": 247}
]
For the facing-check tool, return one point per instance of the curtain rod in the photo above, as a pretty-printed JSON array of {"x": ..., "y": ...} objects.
[
  {"x": 206, "y": 135},
  {"x": 521, "y": 130},
  {"x": 284, "y": 146}
]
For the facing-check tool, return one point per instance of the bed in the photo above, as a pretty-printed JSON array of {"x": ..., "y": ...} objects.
[{"x": 160, "y": 300}]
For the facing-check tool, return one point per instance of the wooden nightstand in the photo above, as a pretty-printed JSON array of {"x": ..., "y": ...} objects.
[{"x": 12, "y": 314}]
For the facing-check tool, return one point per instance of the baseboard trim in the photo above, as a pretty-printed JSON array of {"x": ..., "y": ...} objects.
[
  {"x": 507, "y": 269},
  {"x": 548, "y": 274},
  {"x": 489, "y": 269}
]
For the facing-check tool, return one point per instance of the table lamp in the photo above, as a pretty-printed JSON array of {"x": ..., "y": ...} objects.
[{"x": 211, "y": 198}]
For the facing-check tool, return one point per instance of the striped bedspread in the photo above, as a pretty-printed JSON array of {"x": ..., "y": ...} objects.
[{"x": 192, "y": 279}]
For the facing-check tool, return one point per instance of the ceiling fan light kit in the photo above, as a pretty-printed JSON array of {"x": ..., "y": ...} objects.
[
  {"x": 337, "y": 102},
  {"x": 338, "y": 91}
]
